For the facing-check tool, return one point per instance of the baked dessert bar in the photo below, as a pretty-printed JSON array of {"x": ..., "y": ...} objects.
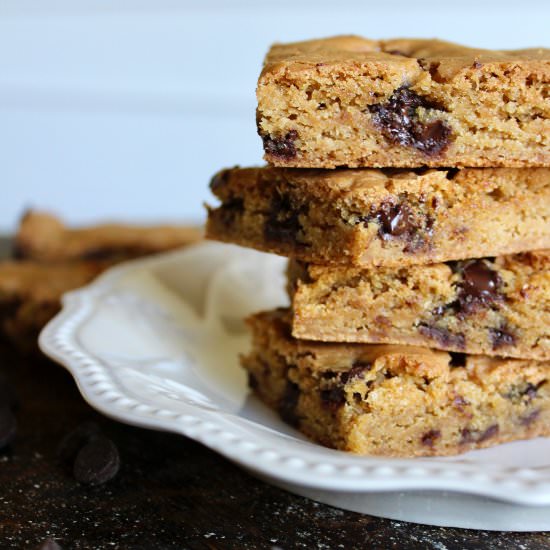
[
  {"x": 395, "y": 400},
  {"x": 350, "y": 101},
  {"x": 44, "y": 237},
  {"x": 383, "y": 217},
  {"x": 492, "y": 306},
  {"x": 30, "y": 295}
]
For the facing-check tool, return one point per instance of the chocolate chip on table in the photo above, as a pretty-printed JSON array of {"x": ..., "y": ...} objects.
[
  {"x": 71, "y": 444},
  {"x": 8, "y": 426},
  {"x": 97, "y": 462},
  {"x": 282, "y": 148},
  {"x": 398, "y": 121}
]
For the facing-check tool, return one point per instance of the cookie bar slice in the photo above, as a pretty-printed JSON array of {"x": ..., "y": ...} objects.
[
  {"x": 350, "y": 101},
  {"x": 395, "y": 400},
  {"x": 486, "y": 306},
  {"x": 30, "y": 295},
  {"x": 44, "y": 237},
  {"x": 383, "y": 217}
]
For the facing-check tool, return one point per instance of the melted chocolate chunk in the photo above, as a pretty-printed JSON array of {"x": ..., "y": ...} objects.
[
  {"x": 398, "y": 121},
  {"x": 357, "y": 371},
  {"x": 501, "y": 337},
  {"x": 399, "y": 221},
  {"x": 479, "y": 287},
  {"x": 444, "y": 337},
  {"x": 287, "y": 405},
  {"x": 282, "y": 224},
  {"x": 333, "y": 397},
  {"x": 282, "y": 148},
  {"x": 430, "y": 437},
  {"x": 460, "y": 402}
]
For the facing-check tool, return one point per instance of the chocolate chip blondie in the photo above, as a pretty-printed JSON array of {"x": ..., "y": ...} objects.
[
  {"x": 383, "y": 217},
  {"x": 395, "y": 400},
  {"x": 492, "y": 306},
  {"x": 44, "y": 237},
  {"x": 350, "y": 101},
  {"x": 30, "y": 295}
]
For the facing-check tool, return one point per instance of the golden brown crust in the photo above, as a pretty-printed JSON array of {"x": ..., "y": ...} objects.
[
  {"x": 44, "y": 237},
  {"x": 395, "y": 400},
  {"x": 383, "y": 217},
  {"x": 326, "y": 103}
]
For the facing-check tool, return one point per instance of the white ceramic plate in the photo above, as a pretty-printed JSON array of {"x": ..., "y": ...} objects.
[{"x": 155, "y": 343}]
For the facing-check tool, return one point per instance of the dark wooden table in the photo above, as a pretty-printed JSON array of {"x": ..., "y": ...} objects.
[{"x": 171, "y": 492}]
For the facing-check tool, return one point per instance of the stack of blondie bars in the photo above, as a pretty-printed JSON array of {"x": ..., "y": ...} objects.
[{"x": 409, "y": 184}]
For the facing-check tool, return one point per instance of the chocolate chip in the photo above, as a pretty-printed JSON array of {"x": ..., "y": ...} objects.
[
  {"x": 395, "y": 220},
  {"x": 8, "y": 426},
  {"x": 524, "y": 392},
  {"x": 399, "y": 221},
  {"x": 398, "y": 121},
  {"x": 444, "y": 337},
  {"x": 530, "y": 418},
  {"x": 501, "y": 337},
  {"x": 457, "y": 359},
  {"x": 97, "y": 462},
  {"x": 333, "y": 397},
  {"x": 283, "y": 224},
  {"x": 430, "y": 437},
  {"x": 70, "y": 445},
  {"x": 460, "y": 402},
  {"x": 282, "y": 148},
  {"x": 288, "y": 403},
  {"x": 479, "y": 286},
  {"x": 48, "y": 544},
  {"x": 357, "y": 371},
  {"x": 230, "y": 210},
  {"x": 466, "y": 436},
  {"x": 490, "y": 432}
]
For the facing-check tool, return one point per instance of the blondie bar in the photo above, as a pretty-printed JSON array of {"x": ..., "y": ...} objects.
[
  {"x": 44, "y": 237},
  {"x": 486, "y": 306},
  {"x": 383, "y": 217},
  {"x": 350, "y": 101},
  {"x": 395, "y": 400}
]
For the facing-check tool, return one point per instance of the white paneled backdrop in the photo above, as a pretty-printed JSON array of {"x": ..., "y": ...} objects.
[{"x": 120, "y": 109}]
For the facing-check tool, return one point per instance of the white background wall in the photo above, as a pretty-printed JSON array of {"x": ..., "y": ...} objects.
[{"x": 119, "y": 109}]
